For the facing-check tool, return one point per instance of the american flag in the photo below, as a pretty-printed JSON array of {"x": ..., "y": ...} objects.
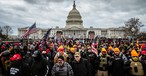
[
  {"x": 94, "y": 43},
  {"x": 30, "y": 30}
]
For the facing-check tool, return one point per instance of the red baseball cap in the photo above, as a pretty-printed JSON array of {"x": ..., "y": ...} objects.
[
  {"x": 143, "y": 52},
  {"x": 60, "y": 48},
  {"x": 15, "y": 57},
  {"x": 51, "y": 45}
]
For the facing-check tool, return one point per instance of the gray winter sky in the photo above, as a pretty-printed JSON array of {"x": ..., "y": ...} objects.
[{"x": 52, "y": 13}]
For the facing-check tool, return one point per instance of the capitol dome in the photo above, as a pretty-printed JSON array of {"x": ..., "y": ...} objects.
[{"x": 74, "y": 18}]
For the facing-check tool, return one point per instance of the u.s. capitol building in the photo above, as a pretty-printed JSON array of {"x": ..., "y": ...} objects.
[{"x": 74, "y": 28}]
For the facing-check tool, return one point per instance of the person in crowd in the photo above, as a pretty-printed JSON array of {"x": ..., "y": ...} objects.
[
  {"x": 40, "y": 65},
  {"x": 92, "y": 59},
  {"x": 5, "y": 62},
  {"x": 110, "y": 51},
  {"x": 18, "y": 67},
  {"x": 136, "y": 67},
  {"x": 143, "y": 52},
  {"x": 103, "y": 66},
  {"x": 84, "y": 50},
  {"x": 128, "y": 55},
  {"x": 62, "y": 68},
  {"x": 143, "y": 56},
  {"x": 117, "y": 64},
  {"x": 28, "y": 58},
  {"x": 143, "y": 61},
  {"x": 71, "y": 54},
  {"x": 62, "y": 53},
  {"x": 51, "y": 54},
  {"x": 80, "y": 66}
]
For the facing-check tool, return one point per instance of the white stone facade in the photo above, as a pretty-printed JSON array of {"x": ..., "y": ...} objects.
[{"x": 109, "y": 33}]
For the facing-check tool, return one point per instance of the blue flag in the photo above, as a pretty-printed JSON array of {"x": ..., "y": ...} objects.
[
  {"x": 47, "y": 34},
  {"x": 95, "y": 39}
]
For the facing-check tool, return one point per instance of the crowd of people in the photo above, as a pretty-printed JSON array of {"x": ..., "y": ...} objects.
[{"x": 73, "y": 58}]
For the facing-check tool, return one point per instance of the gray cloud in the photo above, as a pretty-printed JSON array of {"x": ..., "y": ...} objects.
[
  {"x": 32, "y": 1},
  {"x": 20, "y": 8},
  {"x": 43, "y": 1}
]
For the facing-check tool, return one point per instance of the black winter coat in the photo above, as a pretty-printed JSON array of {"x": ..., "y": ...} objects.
[
  {"x": 81, "y": 68},
  {"x": 144, "y": 66},
  {"x": 92, "y": 59},
  {"x": 117, "y": 67},
  {"x": 40, "y": 68},
  {"x": 19, "y": 68}
]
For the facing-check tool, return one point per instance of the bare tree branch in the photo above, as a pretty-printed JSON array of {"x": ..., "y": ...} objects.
[
  {"x": 133, "y": 23},
  {"x": 7, "y": 30}
]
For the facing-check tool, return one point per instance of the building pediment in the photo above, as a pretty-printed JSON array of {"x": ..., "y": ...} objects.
[{"x": 74, "y": 28}]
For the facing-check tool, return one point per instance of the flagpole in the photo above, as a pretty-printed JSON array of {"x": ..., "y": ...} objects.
[
  {"x": 28, "y": 38},
  {"x": 83, "y": 38},
  {"x": 34, "y": 36}
]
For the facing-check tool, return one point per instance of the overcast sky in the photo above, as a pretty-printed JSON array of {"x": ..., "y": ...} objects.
[{"x": 52, "y": 13}]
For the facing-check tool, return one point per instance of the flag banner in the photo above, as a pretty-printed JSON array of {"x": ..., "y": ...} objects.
[
  {"x": 30, "y": 30},
  {"x": 47, "y": 34},
  {"x": 95, "y": 39},
  {"x": 94, "y": 43},
  {"x": 63, "y": 37}
]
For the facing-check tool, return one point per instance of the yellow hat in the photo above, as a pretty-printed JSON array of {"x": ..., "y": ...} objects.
[
  {"x": 68, "y": 48},
  {"x": 88, "y": 46},
  {"x": 60, "y": 48},
  {"x": 77, "y": 54},
  {"x": 103, "y": 50},
  {"x": 74, "y": 46},
  {"x": 116, "y": 50},
  {"x": 72, "y": 50},
  {"x": 110, "y": 48},
  {"x": 134, "y": 53}
]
